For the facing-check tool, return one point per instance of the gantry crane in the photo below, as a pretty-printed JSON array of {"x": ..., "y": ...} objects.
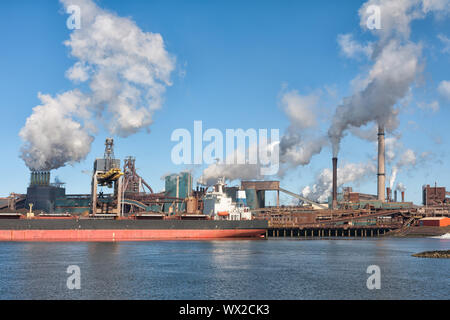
[{"x": 107, "y": 173}]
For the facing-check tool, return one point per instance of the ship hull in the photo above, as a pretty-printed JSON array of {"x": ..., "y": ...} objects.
[{"x": 127, "y": 230}]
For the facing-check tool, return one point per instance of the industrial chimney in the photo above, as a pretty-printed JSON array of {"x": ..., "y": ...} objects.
[
  {"x": 334, "y": 203},
  {"x": 40, "y": 178},
  {"x": 381, "y": 171}
]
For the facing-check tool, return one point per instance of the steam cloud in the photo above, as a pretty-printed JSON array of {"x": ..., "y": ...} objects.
[
  {"x": 400, "y": 187},
  {"x": 127, "y": 71},
  {"x": 299, "y": 145},
  {"x": 296, "y": 147},
  {"x": 233, "y": 172},
  {"x": 396, "y": 64},
  {"x": 395, "y": 68},
  {"x": 408, "y": 158},
  {"x": 350, "y": 172},
  {"x": 52, "y": 135}
]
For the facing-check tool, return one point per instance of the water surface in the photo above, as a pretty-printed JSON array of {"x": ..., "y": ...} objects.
[{"x": 238, "y": 269}]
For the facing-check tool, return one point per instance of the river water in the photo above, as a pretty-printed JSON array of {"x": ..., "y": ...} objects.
[{"x": 238, "y": 269}]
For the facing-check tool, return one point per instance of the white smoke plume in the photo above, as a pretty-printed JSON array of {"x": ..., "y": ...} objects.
[
  {"x": 400, "y": 187},
  {"x": 349, "y": 173},
  {"x": 300, "y": 109},
  {"x": 407, "y": 159},
  {"x": 296, "y": 147},
  {"x": 299, "y": 144},
  {"x": 392, "y": 145},
  {"x": 444, "y": 89},
  {"x": 126, "y": 70},
  {"x": 351, "y": 48},
  {"x": 396, "y": 16},
  {"x": 396, "y": 65},
  {"x": 232, "y": 171},
  {"x": 368, "y": 134},
  {"x": 394, "y": 148},
  {"x": 296, "y": 150},
  {"x": 52, "y": 135},
  {"x": 395, "y": 69},
  {"x": 393, "y": 177},
  {"x": 398, "y": 157}
]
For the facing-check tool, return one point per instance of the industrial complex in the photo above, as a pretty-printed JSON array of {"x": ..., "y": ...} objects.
[{"x": 131, "y": 198}]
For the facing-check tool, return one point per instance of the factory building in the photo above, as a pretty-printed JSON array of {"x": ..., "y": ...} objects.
[
  {"x": 435, "y": 222},
  {"x": 41, "y": 193},
  {"x": 178, "y": 186},
  {"x": 434, "y": 196}
]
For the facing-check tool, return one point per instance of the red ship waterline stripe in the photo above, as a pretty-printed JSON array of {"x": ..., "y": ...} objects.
[{"x": 126, "y": 235}]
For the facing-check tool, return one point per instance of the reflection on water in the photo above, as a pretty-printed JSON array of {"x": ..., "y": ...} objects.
[{"x": 272, "y": 269}]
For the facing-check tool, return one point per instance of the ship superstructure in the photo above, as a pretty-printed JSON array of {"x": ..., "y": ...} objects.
[{"x": 219, "y": 206}]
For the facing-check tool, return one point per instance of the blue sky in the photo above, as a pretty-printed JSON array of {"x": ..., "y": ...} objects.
[{"x": 233, "y": 59}]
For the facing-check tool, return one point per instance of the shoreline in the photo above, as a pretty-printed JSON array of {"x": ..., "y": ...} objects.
[
  {"x": 419, "y": 232},
  {"x": 438, "y": 254}
]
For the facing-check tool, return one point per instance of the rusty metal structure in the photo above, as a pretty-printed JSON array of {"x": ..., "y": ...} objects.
[
  {"x": 139, "y": 197},
  {"x": 133, "y": 182},
  {"x": 14, "y": 202},
  {"x": 389, "y": 195},
  {"x": 435, "y": 196},
  {"x": 107, "y": 173}
]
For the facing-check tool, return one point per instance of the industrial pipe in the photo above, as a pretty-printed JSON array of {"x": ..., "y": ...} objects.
[
  {"x": 381, "y": 166},
  {"x": 334, "y": 203}
]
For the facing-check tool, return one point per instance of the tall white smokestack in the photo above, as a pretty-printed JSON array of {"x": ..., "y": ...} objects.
[
  {"x": 381, "y": 169},
  {"x": 334, "y": 203}
]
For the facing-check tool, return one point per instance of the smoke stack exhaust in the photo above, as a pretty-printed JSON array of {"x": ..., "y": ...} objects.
[
  {"x": 381, "y": 171},
  {"x": 40, "y": 178},
  {"x": 334, "y": 203}
]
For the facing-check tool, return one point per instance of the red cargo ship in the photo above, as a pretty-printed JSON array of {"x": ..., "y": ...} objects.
[{"x": 19, "y": 228}]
